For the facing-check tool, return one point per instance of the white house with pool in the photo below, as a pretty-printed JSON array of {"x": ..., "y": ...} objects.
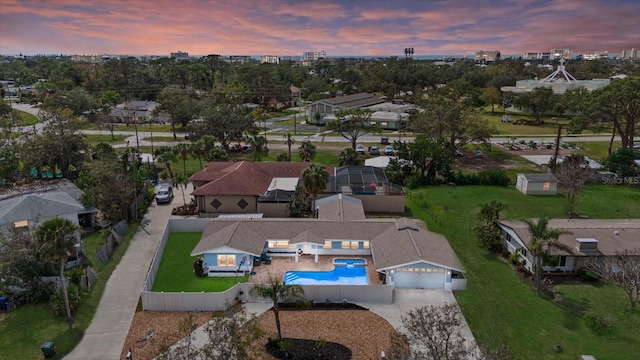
[{"x": 402, "y": 251}]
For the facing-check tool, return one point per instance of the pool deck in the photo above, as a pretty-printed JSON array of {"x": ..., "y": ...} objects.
[{"x": 280, "y": 265}]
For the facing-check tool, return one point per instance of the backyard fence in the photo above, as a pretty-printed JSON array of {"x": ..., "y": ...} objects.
[
  {"x": 103, "y": 253},
  {"x": 211, "y": 301}
]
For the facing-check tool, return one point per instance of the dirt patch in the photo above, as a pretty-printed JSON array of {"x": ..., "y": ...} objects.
[{"x": 361, "y": 331}]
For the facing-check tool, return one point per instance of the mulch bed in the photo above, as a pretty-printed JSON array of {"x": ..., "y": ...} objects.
[{"x": 304, "y": 349}]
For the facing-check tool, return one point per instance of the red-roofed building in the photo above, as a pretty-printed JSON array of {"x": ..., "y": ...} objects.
[{"x": 246, "y": 187}]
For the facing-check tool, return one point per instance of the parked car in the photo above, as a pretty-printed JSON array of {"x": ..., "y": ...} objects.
[
  {"x": 384, "y": 140},
  {"x": 459, "y": 153},
  {"x": 360, "y": 149},
  {"x": 305, "y": 139},
  {"x": 479, "y": 154},
  {"x": 388, "y": 150},
  {"x": 247, "y": 148},
  {"x": 374, "y": 150},
  {"x": 235, "y": 148},
  {"x": 164, "y": 195}
]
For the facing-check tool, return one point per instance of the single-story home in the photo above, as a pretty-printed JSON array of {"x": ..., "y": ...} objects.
[
  {"x": 317, "y": 111},
  {"x": 32, "y": 204},
  {"x": 537, "y": 184},
  {"x": 586, "y": 237},
  {"x": 403, "y": 250},
  {"x": 267, "y": 187},
  {"x": 246, "y": 187},
  {"x": 140, "y": 112}
]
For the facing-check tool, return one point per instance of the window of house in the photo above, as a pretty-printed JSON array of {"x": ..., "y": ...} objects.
[
  {"x": 327, "y": 244},
  {"x": 226, "y": 260},
  {"x": 350, "y": 245},
  {"x": 563, "y": 261},
  {"x": 365, "y": 244},
  {"x": 278, "y": 244},
  {"x": 546, "y": 186}
]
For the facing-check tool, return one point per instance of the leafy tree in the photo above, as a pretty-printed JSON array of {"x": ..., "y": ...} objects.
[
  {"x": 491, "y": 95},
  {"x": 299, "y": 202},
  {"x": 435, "y": 332},
  {"x": 538, "y": 101},
  {"x": 621, "y": 162},
  {"x": 108, "y": 100},
  {"x": 315, "y": 179},
  {"x": 226, "y": 123},
  {"x": 307, "y": 152},
  {"x": 62, "y": 146},
  {"x": 621, "y": 269},
  {"x": 259, "y": 147},
  {"x": 181, "y": 104},
  {"x": 618, "y": 104},
  {"x": 277, "y": 290},
  {"x": 573, "y": 174},
  {"x": 427, "y": 158},
  {"x": 486, "y": 229},
  {"x": 352, "y": 124},
  {"x": 56, "y": 240},
  {"x": 542, "y": 241},
  {"x": 19, "y": 262}
]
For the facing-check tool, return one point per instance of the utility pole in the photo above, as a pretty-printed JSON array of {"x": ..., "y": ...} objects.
[{"x": 557, "y": 150}]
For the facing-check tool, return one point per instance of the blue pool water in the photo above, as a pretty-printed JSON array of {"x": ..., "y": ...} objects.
[{"x": 347, "y": 274}]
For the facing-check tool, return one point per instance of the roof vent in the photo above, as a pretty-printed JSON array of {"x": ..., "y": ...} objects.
[
  {"x": 587, "y": 245},
  {"x": 616, "y": 233}
]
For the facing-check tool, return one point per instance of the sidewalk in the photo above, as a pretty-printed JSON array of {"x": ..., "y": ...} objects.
[{"x": 108, "y": 330}]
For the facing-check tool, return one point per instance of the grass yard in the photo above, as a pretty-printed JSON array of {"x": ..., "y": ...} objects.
[
  {"x": 596, "y": 150},
  {"x": 501, "y": 308},
  {"x": 175, "y": 273},
  {"x": 28, "y": 327}
]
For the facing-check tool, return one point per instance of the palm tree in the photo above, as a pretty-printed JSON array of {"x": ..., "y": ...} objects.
[
  {"x": 348, "y": 156},
  {"x": 55, "y": 242},
  {"x": 165, "y": 154},
  {"x": 183, "y": 150},
  {"x": 198, "y": 150},
  {"x": 277, "y": 290},
  {"x": 181, "y": 181},
  {"x": 307, "y": 152},
  {"x": 315, "y": 179},
  {"x": 289, "y": 141},
  {"x": 542, "y": 240}
]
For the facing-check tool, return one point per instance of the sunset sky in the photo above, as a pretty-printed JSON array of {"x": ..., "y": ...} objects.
[{"x": 340, "y": 27}]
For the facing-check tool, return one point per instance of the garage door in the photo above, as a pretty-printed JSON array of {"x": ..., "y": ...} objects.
[{"x": 420, "y": 280}]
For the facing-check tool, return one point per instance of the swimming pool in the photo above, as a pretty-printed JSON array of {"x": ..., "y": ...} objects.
[{"x": 345, "y": 272}]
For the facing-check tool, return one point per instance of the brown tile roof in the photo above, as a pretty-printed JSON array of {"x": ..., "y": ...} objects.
[
  {"x": 394, "y": 242},
  {"x": 613, "y": 235},
  {"x": 244, "y": 177}
]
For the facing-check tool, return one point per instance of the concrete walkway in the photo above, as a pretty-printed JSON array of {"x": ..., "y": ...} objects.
[{"x": 105, "y": 337}]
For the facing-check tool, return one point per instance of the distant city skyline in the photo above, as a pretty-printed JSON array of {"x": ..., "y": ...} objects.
[{"x": 341, "y": 28}]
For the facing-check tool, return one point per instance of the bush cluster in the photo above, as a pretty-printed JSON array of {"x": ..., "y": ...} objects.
[
  {"x": 75, "y": 293},
  {"x": 484, "y": 177}
]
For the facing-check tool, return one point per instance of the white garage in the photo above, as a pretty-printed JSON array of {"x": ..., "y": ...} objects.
[{"x": 420, "y": 276}]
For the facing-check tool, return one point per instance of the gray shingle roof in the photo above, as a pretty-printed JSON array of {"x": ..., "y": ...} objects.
[
  {"x": 31, "y": 206},
  {"x": 394, "y": 242},
  {"x": 613, "y": 235},
  {"x": 352, "y": 101},
  {"x": 540, "y": 177}
]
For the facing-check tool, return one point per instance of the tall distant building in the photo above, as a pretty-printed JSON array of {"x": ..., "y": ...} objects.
[
  {"x": 597, "y": 55},
  {"x": 630, "y": 54},
  {"x": 313, "y": 55},
  {"x": 94, "y": 59},
  {"x": 271, "y": 59},
  {"x": 179, "y": 55},
  {"x": 483, "y": 57},
  {"x": 536, "y": 56},
  {"x": 557, "y": 54}
]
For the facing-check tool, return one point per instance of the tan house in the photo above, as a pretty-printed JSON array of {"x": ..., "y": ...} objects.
[
  {"x": 587, "y": 237},
  {"x": 404, "y": 251},
  {"x": 246, "y": 187}
]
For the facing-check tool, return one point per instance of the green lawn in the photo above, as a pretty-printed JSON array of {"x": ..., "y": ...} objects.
[
  {"x": 25, "y": 119},
  {"x": 175, "y": 273},
  {"x": 596, "y": 150},
  {"x": 24, "y": 330},
  {"x": 502, "y": 309}
]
